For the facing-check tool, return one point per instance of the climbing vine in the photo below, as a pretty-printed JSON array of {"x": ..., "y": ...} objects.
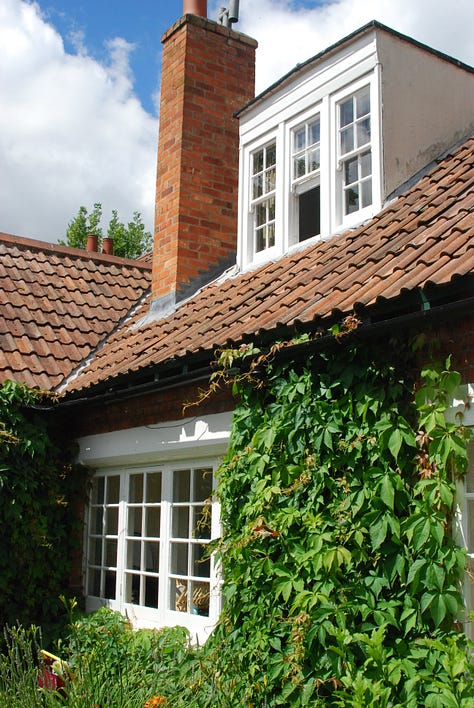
[
  {"x": 38, "y": 491},
  {"x": 341, "y": 574}
]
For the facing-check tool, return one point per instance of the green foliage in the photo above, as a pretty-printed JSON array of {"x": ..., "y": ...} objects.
[
  {"x": 130, "y": 241},
  {"x": 108, "y": 664},
  {"x": 38, "y": 483},
  {"x": 342, "y": 579}
]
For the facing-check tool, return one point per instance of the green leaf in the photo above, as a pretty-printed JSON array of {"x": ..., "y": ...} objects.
[
  {"x": 387, "y": 492},
  {"x": 395, "y": 442}
]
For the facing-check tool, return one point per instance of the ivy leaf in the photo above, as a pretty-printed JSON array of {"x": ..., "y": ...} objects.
[
  {"x": 395, "y": 442},
  {"x": 387, "y": 492},
  {"x": 378, "y": 532}
]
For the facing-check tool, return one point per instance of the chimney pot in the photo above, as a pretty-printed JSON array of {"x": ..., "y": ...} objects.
[
  {"x": 195, "y": 7},
  {"x": 108, "y": 246},
  {"x": 92, "y": 245}
]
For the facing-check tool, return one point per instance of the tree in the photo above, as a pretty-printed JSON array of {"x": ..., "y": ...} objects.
[{"x": 130, "y": 241}]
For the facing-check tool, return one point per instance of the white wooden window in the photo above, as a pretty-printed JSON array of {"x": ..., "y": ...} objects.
[
  {"x": 467, "y": 530},
  {"x": 355, "y": 150},
  {"x": 263, "y": 186},
  {"x": 147, "y": 533},
  {"x": 306, "y": 162}
]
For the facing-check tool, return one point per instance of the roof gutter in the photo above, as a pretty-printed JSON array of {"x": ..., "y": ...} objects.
[{"x": 202, "y": 373}]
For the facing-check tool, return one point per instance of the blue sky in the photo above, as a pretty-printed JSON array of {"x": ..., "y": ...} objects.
[
  {"x": 79, "y": 81},
  {"x": 141, "y": 22}
]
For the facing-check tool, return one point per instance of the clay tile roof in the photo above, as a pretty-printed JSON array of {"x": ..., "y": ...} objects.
[
  {"x": 57, "y": 304},
  {"x": 424, "y": 237}
]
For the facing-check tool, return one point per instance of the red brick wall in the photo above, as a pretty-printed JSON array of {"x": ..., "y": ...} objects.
[
  {"x": 151, "y": 408},
  {"x": 455, "y": 336},
  {"x": 208, "y": 72}
]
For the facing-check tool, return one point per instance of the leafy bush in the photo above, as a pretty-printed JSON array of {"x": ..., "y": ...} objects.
[
  {"x": 342, "y": 578},
  {"x": 38, "y": 484}
]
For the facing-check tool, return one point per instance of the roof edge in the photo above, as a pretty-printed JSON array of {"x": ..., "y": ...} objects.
[
  {"x": 373, "y": 24},
  {"x": 23, "y": 242}
]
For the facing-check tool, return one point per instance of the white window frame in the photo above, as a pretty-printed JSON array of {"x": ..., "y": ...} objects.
[
  {"x": 196, "y": 442},
  {"x": 140, "y": 614},
  {"x": 461, "y": 411},
  {"x": 296, "y": 186},
  {"x": 252, "y": 203},
  {"x": 339, "y": 219}
]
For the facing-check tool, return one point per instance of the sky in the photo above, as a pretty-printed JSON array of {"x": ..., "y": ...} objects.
[{"x": 80, "y": 79}]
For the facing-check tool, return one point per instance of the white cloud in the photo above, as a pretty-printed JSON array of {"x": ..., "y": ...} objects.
[
  {"x": 72, "y": 131},
  {"x": 288, "y": 32}
]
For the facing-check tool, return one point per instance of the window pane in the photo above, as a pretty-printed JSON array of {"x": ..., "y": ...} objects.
[
  {"x": 134, "y": 555},
  {"x": 135, "y": 493},
  {"x": 95, "y": 551},
  {"x": 110, "y": 583},
  {"x": 111, "y": 525},
  {"x": 261, "y": 214},
  {"x": 153, "y": 521},
  {"x": 260, "y": 243},
  {"x": 201, "y": 565},
  {"x": 202, "y": 522},
  {"x": 363, "y": 102},
  {"x": 179, "y": 558},
  {"x": 299, "y": 140},
  {"x": 113, "y": 489},
  {"x": 111, "y": 552},
  {"x": 153, "y": 489},
  {"x": 366, "y": 193},
  {"x": 257, "y": 186},
  {"x": 151, "y": 592},
  {"x": 271, "y": 209},
  {"x": 94, "y": 583},
  {"x": 152, "y": 556},
  {"x": 363, "y": 132},
  {"x": 299, "y": 167},
  {"x": 470, "y": 468},
  {"x": 257, "y": 165},
  {"x": 200, "y": 598},
  {"x": 271, "y": 155},
  {"x": 180, "y": 524},
  {"x": 97, "y": 493},
  {"x": 309, "y": 211},
  {"x": 347, "y": 140},
  {"x": 352, "y": 200},
  {"x": 346, "y": 112},
  {"x": 270, "y": 180},
  {"x": 314, "y": 133},
  {"x": 135, "y": 521},
  {"x": 178, "y": 595},
  {"x": 181, "y": 485},
  {"x": 270, "y": 235},
  {"x": 366, "y": 164},
  {"x": 202, "y": 484},
  {"x": 132, "y": 588},
  {"x": 470, "y": 516},
  {"x": 97, "y": 518},
  {"x": 314, "y": 160},
  {"x": 351, "y": 171}
]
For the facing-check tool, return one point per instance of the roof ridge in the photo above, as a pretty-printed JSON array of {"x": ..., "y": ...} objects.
[{"x": 58, "y": 249}]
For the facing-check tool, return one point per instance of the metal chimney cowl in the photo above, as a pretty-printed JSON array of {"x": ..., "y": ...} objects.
[{"x": 195, "y": 7}]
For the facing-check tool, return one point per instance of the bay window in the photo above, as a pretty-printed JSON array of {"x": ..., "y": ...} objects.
[{"x": 147, "y": 536}]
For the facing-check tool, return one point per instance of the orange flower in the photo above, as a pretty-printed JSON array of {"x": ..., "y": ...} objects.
[{"x": 156, "y": 701}]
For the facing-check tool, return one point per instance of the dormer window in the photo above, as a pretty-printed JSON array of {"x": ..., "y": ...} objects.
[
  {"x": 355, "y": 152},
  {"x": 310, "y": 161}
]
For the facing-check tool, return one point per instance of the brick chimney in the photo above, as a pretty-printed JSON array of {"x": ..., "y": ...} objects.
[{"x": 208, "y": 73}]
